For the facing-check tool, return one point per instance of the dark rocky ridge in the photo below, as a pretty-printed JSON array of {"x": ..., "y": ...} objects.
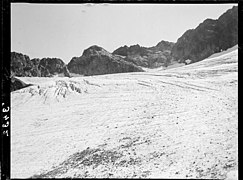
[
  {"x": 209, "y": 37},
  {"x": 21, "y": 65},
  {"x": 150, "y": 57},
  {"x": 17, "y": 84},
  {"x": 96, "y": 61}
]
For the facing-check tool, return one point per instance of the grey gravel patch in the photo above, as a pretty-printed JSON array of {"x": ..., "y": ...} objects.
[
  {"x": 85, "y": 158},
  {"x": 106, "y": 162}
]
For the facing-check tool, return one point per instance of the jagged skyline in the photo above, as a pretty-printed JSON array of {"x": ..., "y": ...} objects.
[{"x": 64, "y": 31}]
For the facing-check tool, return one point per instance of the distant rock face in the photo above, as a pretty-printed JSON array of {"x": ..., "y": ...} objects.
[
  {"x": 209, "y": 37},
  {"x": 51, "y": 66},
  {"x": 132, "y": 50},
  {"x": 96, "y": 61},
  {"x": 21, "y": 65},
  {"x": 151, "y": 57},
  {"x": 163, "y": 46},
  {"x": 37, "y": 71}
]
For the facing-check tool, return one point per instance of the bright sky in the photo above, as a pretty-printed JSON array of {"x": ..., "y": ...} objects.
[{"x": 65, "y": 30}]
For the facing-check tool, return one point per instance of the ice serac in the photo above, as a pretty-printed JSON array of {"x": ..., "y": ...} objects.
[
  {"x": 149, "y": 57},
  {"x": 22, "y": 65},
  {"x": 96, "y": 61},
  {"x": 211, "y": 36}
]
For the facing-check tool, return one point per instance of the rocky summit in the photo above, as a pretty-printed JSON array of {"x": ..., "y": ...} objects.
[
  {"x": 149, "y": 57},
  {"x": 96, "y": 61},
  {"x": 211, "y": 36}
]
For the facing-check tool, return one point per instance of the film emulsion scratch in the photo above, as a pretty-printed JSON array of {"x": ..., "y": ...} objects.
[{"x": 123, "y": 91}]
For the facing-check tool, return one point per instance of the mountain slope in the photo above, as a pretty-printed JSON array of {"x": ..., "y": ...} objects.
[
  {"x": 96, "y": 61},
  {"x": 177, "y": 123},
  {"x": 209, "y": 37}
]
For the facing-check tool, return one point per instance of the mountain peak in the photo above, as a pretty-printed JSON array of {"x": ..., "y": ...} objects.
[
  {"x": 96, "y": 51},
  {"x": 95, "y": 47},
  {"x": 96, "y": 61}
]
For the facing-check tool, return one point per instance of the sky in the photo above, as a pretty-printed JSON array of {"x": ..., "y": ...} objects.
[{"x": 66, "y": 30}]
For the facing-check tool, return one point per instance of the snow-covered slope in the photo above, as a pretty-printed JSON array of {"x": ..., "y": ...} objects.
[
  {"x": 177, "y": 123},
  {"x": 224, "y": 52}
]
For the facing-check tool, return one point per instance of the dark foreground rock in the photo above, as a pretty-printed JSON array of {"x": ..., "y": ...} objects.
[
  {"x": 96, "y": 61},
  {"x": 209, "y": 37},
  {"x": 17, "y": 84}
]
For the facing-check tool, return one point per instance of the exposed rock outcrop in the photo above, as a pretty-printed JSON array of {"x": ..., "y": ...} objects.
[
  {"x": 96, "y": 61},
  {"x": 21, "y": 65},
  {"x": 150, "y": 57},
  {"x": 17, "y": 84},
  {"x": 209, "y": 37},
  {"x": 51, "y": 66},
  {"x": 132, "y": 50},
  {"x": 162, "y": 46}
]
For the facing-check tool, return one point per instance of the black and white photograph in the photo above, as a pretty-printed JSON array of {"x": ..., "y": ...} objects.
[{"x": 124, "y": 90}]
